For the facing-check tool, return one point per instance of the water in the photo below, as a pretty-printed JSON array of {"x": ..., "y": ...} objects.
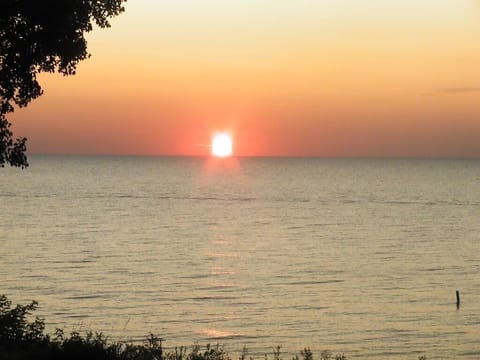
[{"x": 357, "y": 256}]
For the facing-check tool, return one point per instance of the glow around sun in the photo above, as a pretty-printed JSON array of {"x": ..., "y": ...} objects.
[{"x": 222, "y": 145}]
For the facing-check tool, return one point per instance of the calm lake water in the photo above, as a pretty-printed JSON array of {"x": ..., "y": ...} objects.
[{"x": 355, "y": 256}]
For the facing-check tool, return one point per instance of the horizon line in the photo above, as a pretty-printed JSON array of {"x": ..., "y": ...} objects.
[{"x": 393, "y": 157}]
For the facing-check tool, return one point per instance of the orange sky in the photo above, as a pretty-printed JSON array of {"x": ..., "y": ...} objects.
[{"x": 293, "y": 78}]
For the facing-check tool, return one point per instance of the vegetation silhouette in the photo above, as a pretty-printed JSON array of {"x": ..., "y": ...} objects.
[
  {"x": 41, "y": 36},
  {"x": 23, "y": 338}
]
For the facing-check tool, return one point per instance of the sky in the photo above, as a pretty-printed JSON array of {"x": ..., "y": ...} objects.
[{"x": 343, "y": 78}]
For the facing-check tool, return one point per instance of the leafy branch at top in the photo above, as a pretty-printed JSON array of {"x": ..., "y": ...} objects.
[{"x": 41, "y": 36}]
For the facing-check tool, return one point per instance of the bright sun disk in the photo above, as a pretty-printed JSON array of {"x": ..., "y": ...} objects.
[{"x": 222, "y": 145}]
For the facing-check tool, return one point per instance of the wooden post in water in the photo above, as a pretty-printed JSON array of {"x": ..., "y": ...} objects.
[{"x": 458, "y": 299}]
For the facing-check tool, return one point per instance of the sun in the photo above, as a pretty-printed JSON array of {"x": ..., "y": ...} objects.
[{"x": 222, "y": 145}]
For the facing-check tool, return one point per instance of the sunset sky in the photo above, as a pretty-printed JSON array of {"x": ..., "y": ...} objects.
[{"x": 285, "y": 77}]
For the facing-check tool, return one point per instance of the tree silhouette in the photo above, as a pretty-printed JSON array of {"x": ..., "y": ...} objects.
[{"x": 41, "y": 36}]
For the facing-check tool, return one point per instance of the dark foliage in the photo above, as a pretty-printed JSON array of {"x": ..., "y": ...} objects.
[
  {"x": 41, "y": 36},
  {"x": 11, "y": 152},
  {"x": 22, "y": 338}
]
